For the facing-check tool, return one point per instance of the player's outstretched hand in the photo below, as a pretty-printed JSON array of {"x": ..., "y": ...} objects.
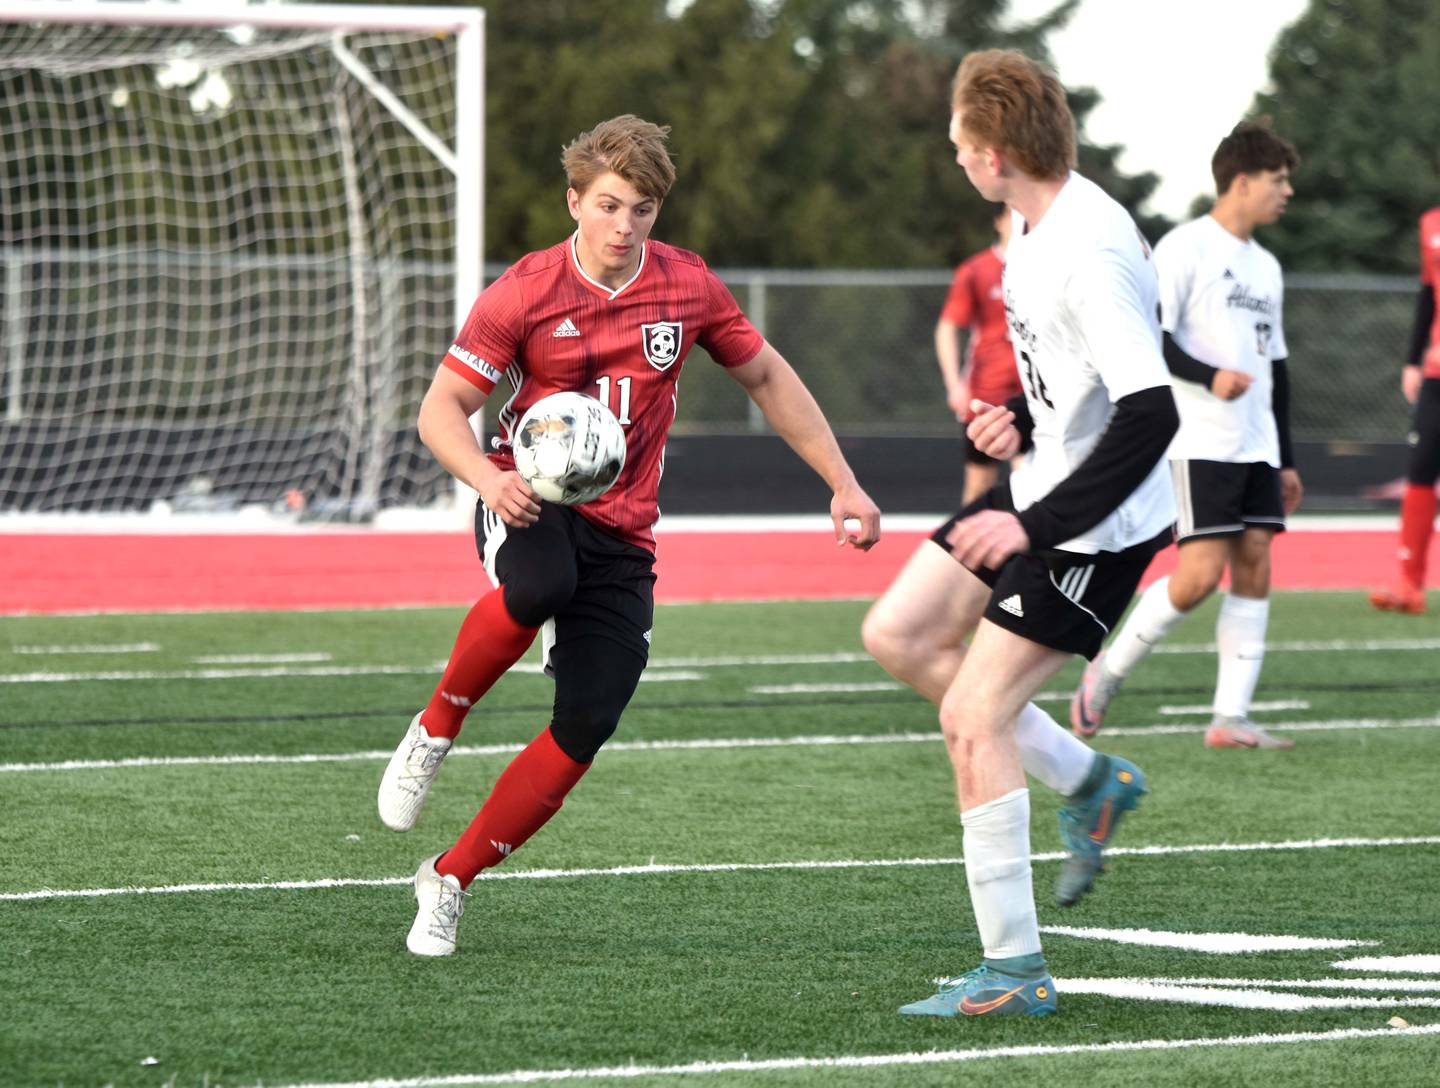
[
  {"x": 1229, "y": 384},
  {"x": 510, "y": 498},
  {"x": 1291, "y": 490},
  {"x": 993, "y": 430},
  {"x": 852, "y": 504},
  {"x": 987, "y": 539}
]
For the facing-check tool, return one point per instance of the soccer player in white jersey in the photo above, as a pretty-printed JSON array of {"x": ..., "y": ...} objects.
[
  {"x": 1038, "y": 568},
  {"x": 1221, "y": 297}
]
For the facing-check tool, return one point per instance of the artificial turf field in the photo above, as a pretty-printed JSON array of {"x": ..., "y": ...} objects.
[{"x": 798, "y": 856}]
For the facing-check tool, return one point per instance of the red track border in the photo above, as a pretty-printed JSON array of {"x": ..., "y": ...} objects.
[{"x": 49, "y": 573}]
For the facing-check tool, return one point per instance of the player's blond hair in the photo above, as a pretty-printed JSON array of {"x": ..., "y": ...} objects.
[
  {"x": 1016, "y": 105},
  {"x": 627, "y": 146}
]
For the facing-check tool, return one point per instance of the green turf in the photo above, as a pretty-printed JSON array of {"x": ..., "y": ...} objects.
[{"x": 281, "y": 986}]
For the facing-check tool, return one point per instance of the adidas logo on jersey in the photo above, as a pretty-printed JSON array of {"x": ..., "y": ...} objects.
[
  {"x": 566, "y": 328},
  {"x": 1013, "y": 606},
  {"x": 1228, "y": 276}
]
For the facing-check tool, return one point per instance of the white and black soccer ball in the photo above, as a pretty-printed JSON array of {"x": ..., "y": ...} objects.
[{"x": 569, "y": 448}]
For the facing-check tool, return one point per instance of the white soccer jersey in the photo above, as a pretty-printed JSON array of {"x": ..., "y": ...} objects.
[
  {"x": 1221, "y": 299},
  {"x": 1080, "y": 297}
]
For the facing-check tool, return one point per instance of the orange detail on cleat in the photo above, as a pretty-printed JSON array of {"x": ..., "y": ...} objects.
[
  {"x": 1402, "y": 598},
  {"x": 979, "y": 1008}
]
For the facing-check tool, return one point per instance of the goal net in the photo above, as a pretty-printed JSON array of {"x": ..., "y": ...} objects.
[{"x": 234, "y": 244}]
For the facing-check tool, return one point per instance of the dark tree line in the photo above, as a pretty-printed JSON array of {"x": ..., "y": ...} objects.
[
  {"x": 808, "y": 133},
  {"x": 1356, "y": 86}
]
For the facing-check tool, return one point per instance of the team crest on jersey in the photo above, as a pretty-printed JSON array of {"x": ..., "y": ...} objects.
[{"x": 661, "y": 342}]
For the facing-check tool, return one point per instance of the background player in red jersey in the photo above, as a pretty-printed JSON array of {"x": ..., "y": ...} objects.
[
  {"x": 977, "y": 302},
  {"x": 609, "y": 313},
  {"x": 1420, "y": 383}
]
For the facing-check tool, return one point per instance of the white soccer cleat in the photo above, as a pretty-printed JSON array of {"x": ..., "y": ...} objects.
[
  {"x": 1241, "y": 732},
  {"x": 1092, "y": 698},
  {"x": 439, "y": 901},
  {"x": 408, "y": 776}
]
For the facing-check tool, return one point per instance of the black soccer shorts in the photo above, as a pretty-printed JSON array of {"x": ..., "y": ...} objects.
[
  {"x": 593, "y": 596},
  {"x": 1424, "y": 436},
  {"x": 1067, "y": 601},
  {"x": 1224, "y": 498}
]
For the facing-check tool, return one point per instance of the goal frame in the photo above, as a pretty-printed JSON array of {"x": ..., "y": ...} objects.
[{"x": 466, "y": 160}]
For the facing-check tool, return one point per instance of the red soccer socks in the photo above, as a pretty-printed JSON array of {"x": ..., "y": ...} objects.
[
  {"x": 1417, "y": 525},
  {"x": 526, "y": 795},
  {"x": 489, "y": 642}
]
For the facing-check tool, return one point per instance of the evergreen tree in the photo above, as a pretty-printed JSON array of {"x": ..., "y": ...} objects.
[
  {"x": 1355, "y": 88},
  {"x": 808, "y": 133}
]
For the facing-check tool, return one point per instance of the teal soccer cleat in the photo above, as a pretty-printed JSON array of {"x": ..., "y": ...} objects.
[
  {"x": 987, "y": 992},
  {"x": 1089, "y": 819}
]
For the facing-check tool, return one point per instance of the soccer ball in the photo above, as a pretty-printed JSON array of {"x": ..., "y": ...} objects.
[{"x": 569, "y": 448}]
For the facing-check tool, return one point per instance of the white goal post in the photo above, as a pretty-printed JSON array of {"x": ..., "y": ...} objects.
[{"x": 235, "y": 242}]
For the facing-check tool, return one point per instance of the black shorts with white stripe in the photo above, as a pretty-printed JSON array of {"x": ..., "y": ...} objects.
[
  {"x": 1065, "y": 600},
  {"x": 1224, "y": 498}
]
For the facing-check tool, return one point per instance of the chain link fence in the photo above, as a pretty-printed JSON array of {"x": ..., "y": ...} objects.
[
  {"x": 172, "y": 394},
  {"x": 863, "y": 341}
]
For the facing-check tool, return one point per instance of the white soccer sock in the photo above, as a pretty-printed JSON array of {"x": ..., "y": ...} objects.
[
  {"x": 1054, "y": 755},
  {"x": 1240, "y": 638},
  {"x": 997, "y": 867},
  {"x": 1154, "y": 618}
]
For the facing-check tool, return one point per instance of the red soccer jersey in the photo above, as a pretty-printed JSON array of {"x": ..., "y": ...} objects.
[
  {"x": 546, "y": 327},
  {"x": 1430, "y": 274},
  {"x": 977, "y": 301}
]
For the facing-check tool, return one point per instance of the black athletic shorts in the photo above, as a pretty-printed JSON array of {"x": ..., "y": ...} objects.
[
  {"x": 1224, "y": 498},
  {"x": 1065, "y": 600},
  {"x": 613, "y": 581},
  {"x": 1424, "y": 436}
]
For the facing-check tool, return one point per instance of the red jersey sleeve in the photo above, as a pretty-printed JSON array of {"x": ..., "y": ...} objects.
[
  {"x": 491, "y": 336},
  {"x": 728, "y": 335},
  {"x": 959, "y": 307},
  {"x": 1429, "y": 246}
]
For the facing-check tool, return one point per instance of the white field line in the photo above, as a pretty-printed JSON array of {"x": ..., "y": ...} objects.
[
  {"x": 661, "y": 869},
  {"x": 1425, "y": 965},
  {"x": 1216, "y": 943},
  {"x": 1163, "y": 989},
  {"x": 1207, "y": 708},
  {"x": 121, "y": 648},
  {"x": 876, "y": 1061},
  {"x": 1411, "y": 985},
  {"x": 263, "y": 659},
  {"x": 810, "y": 689},
  {"x": 1310, "y": 646},
  {"x": 648, "y": 677},
  {"x": 701, "y": 744},
  {"x": 725, "y": 661},
  {"x": 1290, "y": 727}
]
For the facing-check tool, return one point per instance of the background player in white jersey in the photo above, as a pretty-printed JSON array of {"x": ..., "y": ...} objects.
[
  {"x": 1235, "y": 477},
  {"x": 1038, "y": 568}
]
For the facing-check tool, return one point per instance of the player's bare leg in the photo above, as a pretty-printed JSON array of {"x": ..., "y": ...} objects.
[
  {"x": 979, "y": 478},
  {"x": 977, "y": 718},
  {"x": 917, "y": 631},
  {"x": 918, "y": 628}
]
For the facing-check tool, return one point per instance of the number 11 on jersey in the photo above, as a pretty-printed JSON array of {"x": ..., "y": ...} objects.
[{"x": 622, "y": 412}]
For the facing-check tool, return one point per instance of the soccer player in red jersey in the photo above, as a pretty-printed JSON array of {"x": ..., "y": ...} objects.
[
  {"x": 1420, "y": 383},
  {"x": 977, "y": 302},
  {"x": 610, "y": 313}
]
